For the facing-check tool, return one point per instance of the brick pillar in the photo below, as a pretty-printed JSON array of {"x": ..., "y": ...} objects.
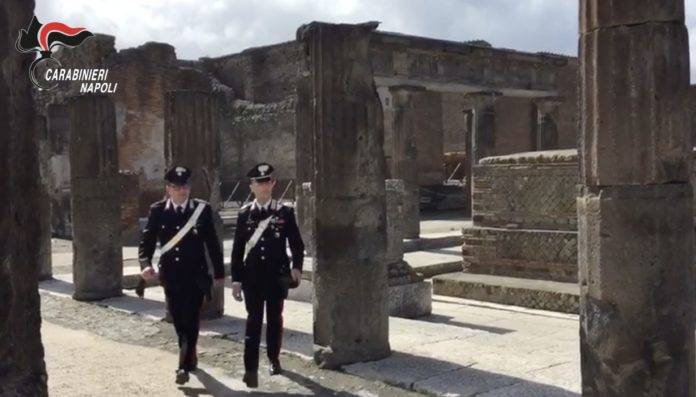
[
  {"x": 351, "y": 309},
  {"x": 483, "y": 134},
  {"x": 635, "y": 237},
  {"x": 192, "y": 139},
  {"x": 95, "y": 188},
  {"x": 404, "y": 153},
  {"x": 546, "y": 134}
]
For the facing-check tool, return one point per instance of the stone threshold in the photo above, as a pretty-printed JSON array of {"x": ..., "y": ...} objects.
[
  {"x": 436, "y": 240},
  {"x": 534, "y": 294}
]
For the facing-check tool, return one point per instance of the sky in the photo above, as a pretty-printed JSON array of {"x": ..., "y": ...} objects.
[{"x": 198, "y": 28}]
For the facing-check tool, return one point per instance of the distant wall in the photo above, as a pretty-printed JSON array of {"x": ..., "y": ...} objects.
[{"x": 254, "y": 133}]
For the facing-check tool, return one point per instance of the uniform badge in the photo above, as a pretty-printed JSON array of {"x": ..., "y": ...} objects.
[
  {"x": 263, "y": 168},
  {"x": 277, "y": 234}
]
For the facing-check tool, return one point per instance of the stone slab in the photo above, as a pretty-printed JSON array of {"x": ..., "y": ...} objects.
[{"x": 535, "y": 294}]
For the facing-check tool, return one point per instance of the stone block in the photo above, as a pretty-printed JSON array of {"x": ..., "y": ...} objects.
[
  {"x": 636, "y": 275},
  {"x": 595, "y": 14},
  {"x": 634, "y": 88}
]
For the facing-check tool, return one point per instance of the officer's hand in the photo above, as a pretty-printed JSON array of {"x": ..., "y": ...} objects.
[
  {"x": 237, "y": 291},
  {"x": 148, "y": 273},
  {"x": 296, "y": 275}
]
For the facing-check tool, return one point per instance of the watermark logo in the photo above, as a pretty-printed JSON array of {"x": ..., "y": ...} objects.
[{"x": 42, "y": 39}]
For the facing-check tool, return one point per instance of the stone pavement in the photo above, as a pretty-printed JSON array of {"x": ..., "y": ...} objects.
[
  {"x": 108, "y": 368},
  {"x": 464, "y": 348},
  {"x": 97, "y": 351}
]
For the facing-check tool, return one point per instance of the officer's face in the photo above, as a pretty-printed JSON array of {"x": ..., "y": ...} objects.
[
  {"x": 178, "y": 193},
  {"x": 263, "y": 190}
]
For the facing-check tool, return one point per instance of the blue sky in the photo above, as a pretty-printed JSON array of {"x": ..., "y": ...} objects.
[{"x": 199, "y": 28}]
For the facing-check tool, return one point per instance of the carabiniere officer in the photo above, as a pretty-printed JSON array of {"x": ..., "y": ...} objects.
[
  {"x": 261, "y": 268},
  {"x": 182, "y": 264}
]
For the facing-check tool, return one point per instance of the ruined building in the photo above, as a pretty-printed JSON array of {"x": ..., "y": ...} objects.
[{"x": 445, "y": 106}]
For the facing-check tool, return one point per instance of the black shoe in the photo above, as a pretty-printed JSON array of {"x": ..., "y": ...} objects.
[
  {"x": 182, "y": 376},
  {"x": 275, "y": 368},
  {"x": 251, "y": 379}
]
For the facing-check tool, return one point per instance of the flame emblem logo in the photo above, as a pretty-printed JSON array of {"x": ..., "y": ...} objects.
[{"x": 41, "y": 39}]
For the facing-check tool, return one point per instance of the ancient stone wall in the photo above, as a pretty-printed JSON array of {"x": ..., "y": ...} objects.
[
  {"x": 262, "y": 75},
  {"x": 514, "y": 125},
  {"x": 144, "y": 74},
  {"x": 566, "y": 114},
  {"x": 445, "y": 64},
  {"x": 256, "y": 132}
]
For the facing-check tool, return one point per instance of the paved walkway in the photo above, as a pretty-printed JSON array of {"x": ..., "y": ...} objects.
[
  {"x": 464, "y": 348},
  {"x": 80, "y": 363}
]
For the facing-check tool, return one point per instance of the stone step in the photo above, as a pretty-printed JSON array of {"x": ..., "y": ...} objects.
[
  {"x": 433, "y": 241},
  {"x": 435, "y": 261},
  {"x": 535, "y": 294}
]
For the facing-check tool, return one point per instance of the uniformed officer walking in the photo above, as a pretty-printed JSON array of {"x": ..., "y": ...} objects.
[
  {"x": 184, "y": 228},
  {"x": 261, "y": 268}
]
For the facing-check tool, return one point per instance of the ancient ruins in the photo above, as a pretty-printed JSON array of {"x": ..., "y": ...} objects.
[{"x": 568, "y": 180}]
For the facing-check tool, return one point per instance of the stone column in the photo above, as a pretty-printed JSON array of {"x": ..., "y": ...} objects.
[
  {"x": 192, "y": 139},
  {"x": 44, "y": 237},
  {"x": 483, "y": 134},
  {"x": 95, "y": 202},
  {"x": 404, "y": 154},
  {"x": 350, "y": 277},
  {"x": 58, "y": 131},
  {"x": 21, "y": 352},
  {"x": 395, "y": 220},
  {"x": 635, "y": 237},
  {"x": 130, "y": 207},
  {"x": 546, "y": 130},
  {"x": 304, "y": 162}
]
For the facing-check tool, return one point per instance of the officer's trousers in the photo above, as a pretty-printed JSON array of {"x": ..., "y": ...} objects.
[
  {"x": 254, "y": 302},
  {"x": 185, "y": 307}
]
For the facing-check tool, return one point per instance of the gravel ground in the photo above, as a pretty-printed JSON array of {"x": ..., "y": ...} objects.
[{"x": 94, "y": 350}]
